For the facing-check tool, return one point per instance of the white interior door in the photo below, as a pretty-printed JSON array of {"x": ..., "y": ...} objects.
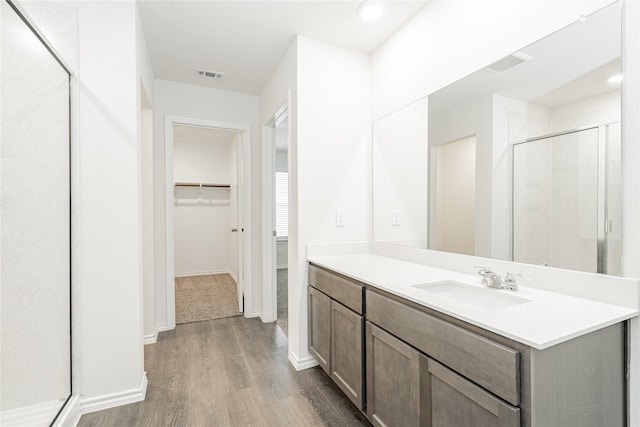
[{"x": 238, "y": 213}]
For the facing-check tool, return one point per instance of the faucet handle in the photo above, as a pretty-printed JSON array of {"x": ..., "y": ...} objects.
[
  {"x": 513, "y": 274},
  {"x": 482, "y": 270},
  {"x": 510, "y": 281}
]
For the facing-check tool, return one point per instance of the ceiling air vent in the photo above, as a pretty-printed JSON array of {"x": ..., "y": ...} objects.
[
  {"x": 211, "y": 74},
  {"x": 508, "y": 62}
]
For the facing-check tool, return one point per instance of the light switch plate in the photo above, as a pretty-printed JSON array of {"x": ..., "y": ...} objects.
[
  {"x": 341, "y": 220},
  {"x": 395, "y": 216}
]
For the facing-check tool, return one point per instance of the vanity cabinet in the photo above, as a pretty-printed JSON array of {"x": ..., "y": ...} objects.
[
  {"x": 425, "y": 368},
  {"x": 336, "y": 330}
]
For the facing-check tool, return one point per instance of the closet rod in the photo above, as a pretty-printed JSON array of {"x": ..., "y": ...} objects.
[{"x": 201, "y": 184}]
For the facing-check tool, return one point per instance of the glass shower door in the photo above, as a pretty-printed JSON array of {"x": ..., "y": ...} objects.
[
  {"x": 555, "y": 200},
  {"x": 35, "y": 247}
]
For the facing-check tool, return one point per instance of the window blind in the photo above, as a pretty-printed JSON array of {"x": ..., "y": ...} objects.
[{"x": 282, "y": 204}]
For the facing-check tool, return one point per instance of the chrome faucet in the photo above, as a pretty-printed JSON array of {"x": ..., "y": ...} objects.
[
  {"x": 489, "y": 278},
  {"x": 493, "y": 280}
]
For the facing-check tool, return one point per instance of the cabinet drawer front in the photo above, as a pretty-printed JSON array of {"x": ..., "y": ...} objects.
[
  {"x": 487, "y": 363},
  {"x": 320, "y": 327},
  {"x": 345, "y": 291},
  {"x": 457, "y": 401},
  {"x": 393, "y": 380},
  {"x": 347, "y": 329}
]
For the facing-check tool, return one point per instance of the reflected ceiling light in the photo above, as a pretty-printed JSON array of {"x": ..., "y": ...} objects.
[
  {"x": 370, "y": 10},
  {"x": 615, "y": 79}
]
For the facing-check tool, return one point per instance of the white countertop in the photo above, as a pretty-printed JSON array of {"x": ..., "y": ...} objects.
[{"x": 546, "y": 319}]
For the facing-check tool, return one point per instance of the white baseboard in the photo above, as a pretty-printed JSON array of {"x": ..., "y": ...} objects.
[
  {"x": 70, "y": 415},
  {"x": 32, "y": 415},
  {"x": 112, "y": 400},
  {"x": 233, "y": 276},
  {"x": 257, "y": 313},
  {"x": 300, "y": 364},
  {"x": 202, "y": 273},
  {"x": 162, "y": 327},
  {"x": 150, "y": 339}
]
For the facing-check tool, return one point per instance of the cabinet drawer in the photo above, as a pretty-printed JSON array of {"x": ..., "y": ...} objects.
[
  {"x": 458, "y": 402},
  {"x": 485, "y": 362},
  {"x": 347, "y": 292}
]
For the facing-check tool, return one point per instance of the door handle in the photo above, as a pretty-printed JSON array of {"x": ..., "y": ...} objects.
[{"x": 233, "y": 230}]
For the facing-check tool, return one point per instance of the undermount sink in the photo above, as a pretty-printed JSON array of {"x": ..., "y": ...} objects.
[{"x": 483, "y": 298}]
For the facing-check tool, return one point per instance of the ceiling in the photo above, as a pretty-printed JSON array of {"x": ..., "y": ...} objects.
[
  {"x": 566, "y": 66},
  {"x": 247, "y": 39}
]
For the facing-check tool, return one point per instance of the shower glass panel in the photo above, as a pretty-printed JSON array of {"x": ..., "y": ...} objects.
[
  {"x": 612, "y": 249},
  {"x": 555, "y": 201},
  {"x": 35, "y": 271}
]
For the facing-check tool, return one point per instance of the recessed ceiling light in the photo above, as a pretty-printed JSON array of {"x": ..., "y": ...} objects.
[
  {"x": 615, "y": 79},
  {"x": 370, "y": 10}
]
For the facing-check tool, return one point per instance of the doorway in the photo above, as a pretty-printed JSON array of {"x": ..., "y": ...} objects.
[
  {"x": 206, "y": 201},
  {"x": 281, "y": 217},
  {"x": 275, "y": 212},
  {"x": 454, "y": 211}
]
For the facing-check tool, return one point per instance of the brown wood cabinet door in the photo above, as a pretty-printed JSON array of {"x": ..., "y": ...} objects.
[
  {"x": 455, "y": 401},
  {"x": 320, "y": 327},
  {"x": 393, "y": 380},
  {"x": 346, "y": 352}
]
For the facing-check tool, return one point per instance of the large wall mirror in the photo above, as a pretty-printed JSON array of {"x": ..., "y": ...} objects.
[{"x": 519, "y": 161}]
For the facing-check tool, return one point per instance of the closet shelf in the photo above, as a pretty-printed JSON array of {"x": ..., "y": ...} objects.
[{"x": 201, "y": 185}]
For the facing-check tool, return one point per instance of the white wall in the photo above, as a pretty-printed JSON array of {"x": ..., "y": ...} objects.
[
  {"x": 401, "y": 176},
  {"x": 631, "y": 180},
  {"x": 202, "y": 230},
  {"x": 280, "y": 89},
  {"x": 333, "y": 163},
  {"x": 108, "y": 312},
  {"x": 329, "y": 159},
  {"x": 179, "y": 99}
]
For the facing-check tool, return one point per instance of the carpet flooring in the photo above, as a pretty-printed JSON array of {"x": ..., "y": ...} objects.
[{"x": 208, "y": 297}]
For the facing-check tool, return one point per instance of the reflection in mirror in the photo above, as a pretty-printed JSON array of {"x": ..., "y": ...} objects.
[
  {"x": 453, "y": 180},
  {"x": 400, "y": 176},
  {"x": 546, "y": 125}
]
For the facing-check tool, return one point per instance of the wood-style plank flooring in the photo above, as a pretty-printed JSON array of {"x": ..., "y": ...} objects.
[{"x": 229, "y": 372}]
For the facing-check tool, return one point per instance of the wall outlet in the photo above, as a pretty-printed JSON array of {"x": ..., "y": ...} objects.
[
  {"x": 395, "y": 216},
  {"x": 341, "y": 220}
]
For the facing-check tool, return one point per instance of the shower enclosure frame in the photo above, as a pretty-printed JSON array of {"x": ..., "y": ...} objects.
[
  {"x": 24, "y": 17},
  {"x": 602, "y": 221}
]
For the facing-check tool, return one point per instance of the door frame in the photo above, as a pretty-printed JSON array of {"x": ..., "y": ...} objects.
[
  {"x": 269, "y": 274},
  {"x": 244, "y": 209}
]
